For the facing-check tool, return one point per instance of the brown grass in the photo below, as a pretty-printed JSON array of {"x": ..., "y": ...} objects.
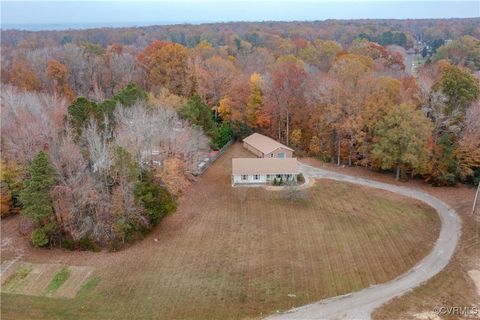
[{"x": 231, "y": 253}]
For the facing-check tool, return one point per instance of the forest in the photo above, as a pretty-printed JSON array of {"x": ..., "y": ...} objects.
[{"x": 103, "y": 129}]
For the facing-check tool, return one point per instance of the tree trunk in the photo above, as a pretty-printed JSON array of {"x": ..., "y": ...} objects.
[
  {"x": 398, "y": 173},
  {"x": 338, "y": 150},
  {"x": 350, "y": 155},
  {"x": 288, "y": 126}
]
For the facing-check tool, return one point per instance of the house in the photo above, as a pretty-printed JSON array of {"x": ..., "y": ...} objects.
[
  {"x": 264, "y": 170},
  {"x": 265, "y": 147}
]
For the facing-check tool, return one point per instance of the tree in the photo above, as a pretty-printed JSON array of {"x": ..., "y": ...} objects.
[
  {"x": 464, "y": 51},
  {"x": 255, "y": 112},
  {"x": 166, "y": 64},
  {"x": 11, "y": 177},
  {"x": 314, "y": 145},
  {"x": 36, "y": 200},
  {"x": 22, "y": 76},
  {"x": 443, "y": 168},
  {"x": 401, "y": 138},
  {"x": 223, "y": 134},
  {"x": 199, "y": 113},
  {"x": 215, "y": 77},
  {"x": 460, "y": 88},
  {"x": 321, "y": 54},
  {"x": 286, "y": 98},
  {"x": 58, "y": 74},
  {"x": 158, "y": 202},
  {"x": 225, "y": 108},
  {"x": 30, "y": 121}
]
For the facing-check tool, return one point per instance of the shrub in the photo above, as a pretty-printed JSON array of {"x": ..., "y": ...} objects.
[
  {"x": 222, "y": 135},
  {"x": 158, "y": 202},
  {"x": 88, "y": 244},
  {"x": 68, "y": 244},
  {"x": 40, "y": 237},
  {"x": 300, "y": 178},
  {"x": 274, "y": 181}
]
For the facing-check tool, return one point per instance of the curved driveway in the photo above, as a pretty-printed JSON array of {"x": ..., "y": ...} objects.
[{"x": 360, "y": 304}]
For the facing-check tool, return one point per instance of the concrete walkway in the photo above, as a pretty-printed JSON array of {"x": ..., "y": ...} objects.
[{"x": 360, "y": 304}]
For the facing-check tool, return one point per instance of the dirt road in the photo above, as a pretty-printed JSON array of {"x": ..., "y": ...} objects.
[{"x": 360, "y": 304}]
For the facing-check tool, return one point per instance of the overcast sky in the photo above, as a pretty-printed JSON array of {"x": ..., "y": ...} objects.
[{"x": 117, "y": 12}]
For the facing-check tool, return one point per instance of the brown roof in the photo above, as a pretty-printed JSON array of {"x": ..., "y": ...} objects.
[
  {"x": 264, "y": 143},
  {"x": 264, "y": 166}
]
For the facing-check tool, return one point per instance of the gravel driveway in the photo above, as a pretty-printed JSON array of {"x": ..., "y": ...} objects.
[{"x": 360, "y": 304}]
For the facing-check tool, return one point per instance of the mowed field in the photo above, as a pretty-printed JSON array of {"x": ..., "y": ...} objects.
[{"x": 236, "y": 253}]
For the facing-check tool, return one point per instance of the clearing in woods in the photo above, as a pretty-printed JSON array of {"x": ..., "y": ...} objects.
[{"x": 230, "y": 253}]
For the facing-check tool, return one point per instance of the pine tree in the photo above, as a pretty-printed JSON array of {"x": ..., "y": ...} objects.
[{"x": 36, "y": 200}]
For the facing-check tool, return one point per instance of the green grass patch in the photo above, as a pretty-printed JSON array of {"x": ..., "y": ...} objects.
[
  {"x": 86, "y": 289},
  {"x": 58, "y": 280},
  {"x": 17, "y": 281}
]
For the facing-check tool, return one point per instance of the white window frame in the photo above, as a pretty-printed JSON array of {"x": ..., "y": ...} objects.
[
  {"x": 244, "y": 177},
  {"x": 256, "y": 177}
]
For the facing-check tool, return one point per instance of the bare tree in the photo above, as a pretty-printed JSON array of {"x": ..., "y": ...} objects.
[
  {"x": 157, "y": 134},
  {"x": 31, "y": 122}
]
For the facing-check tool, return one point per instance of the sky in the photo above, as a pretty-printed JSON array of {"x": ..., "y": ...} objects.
[{"x": 63, "y": 14}]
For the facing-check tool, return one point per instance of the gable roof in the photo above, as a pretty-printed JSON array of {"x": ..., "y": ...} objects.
[
  {"x": 265, "y": 166},
  {"x": 263, "y": 143}
]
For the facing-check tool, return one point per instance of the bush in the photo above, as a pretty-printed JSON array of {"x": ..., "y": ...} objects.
[
  {"x": 88, "y": 244},
  {"x": 41, "y": 237},
  {"x": 222, "y": 135},
  {"x": 300, "y": 178},
  {"x": 158, "y": 202},
  {"x": 68, "y": 244},
  {"x": 274, "y": 181}
]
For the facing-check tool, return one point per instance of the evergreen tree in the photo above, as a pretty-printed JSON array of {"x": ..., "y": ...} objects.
[
  {"x": 36, "y": 200},
  {"x": 199, "y": 113}
]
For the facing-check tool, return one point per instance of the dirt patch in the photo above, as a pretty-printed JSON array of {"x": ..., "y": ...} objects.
[
  {"x": 78, "y": 276},
  {"x": 475, "y": 275}
]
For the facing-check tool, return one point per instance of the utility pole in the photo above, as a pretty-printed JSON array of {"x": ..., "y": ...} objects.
[{"x": 475, "y": 200}]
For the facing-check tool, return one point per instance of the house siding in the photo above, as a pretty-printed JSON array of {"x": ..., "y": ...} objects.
[
  {"x": 275, "y": 153},
  {"x": 263, "y": 179}
]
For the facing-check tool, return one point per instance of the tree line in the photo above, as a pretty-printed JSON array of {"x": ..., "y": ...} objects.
[{"x": 88, "y": 116}]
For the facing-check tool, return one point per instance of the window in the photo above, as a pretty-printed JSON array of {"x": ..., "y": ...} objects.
[
  {"x": 268, "y": 177},
  {"x": 256, "y": 177},
  {"x": 244, "y": 177},
  {"x": 271, "y": 155},
  {"x": 281, "y": 155}
]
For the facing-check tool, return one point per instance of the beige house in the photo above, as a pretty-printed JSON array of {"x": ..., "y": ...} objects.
[
  {"x": 264, "y": 170},
  {"x": 274, "y": 162},
  {"x": 265, "y": 147}
]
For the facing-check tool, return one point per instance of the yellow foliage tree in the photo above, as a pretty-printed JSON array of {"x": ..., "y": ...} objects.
[{"x": 225, "y": 108}]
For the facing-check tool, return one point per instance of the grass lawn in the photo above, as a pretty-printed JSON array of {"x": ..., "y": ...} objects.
[{"x": 230, "y": 253}]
